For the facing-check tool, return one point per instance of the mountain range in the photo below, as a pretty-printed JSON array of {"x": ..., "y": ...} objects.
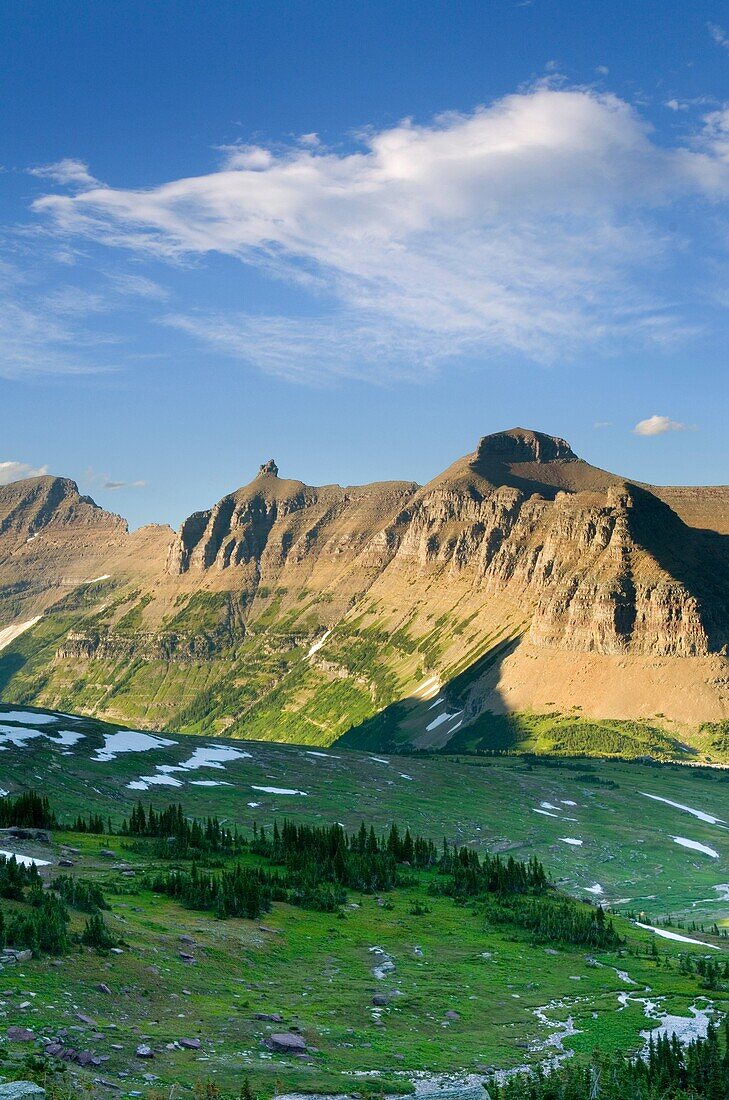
[{"x": 521, "y": 599}]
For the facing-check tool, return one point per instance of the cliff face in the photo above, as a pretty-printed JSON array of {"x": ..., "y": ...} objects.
[{"x": 298, "y": 610}]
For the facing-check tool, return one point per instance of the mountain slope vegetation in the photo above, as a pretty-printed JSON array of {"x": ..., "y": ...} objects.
[{"x": 522, "y": 599}]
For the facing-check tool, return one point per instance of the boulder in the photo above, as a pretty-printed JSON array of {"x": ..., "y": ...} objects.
[
  {"x": 107, "y": 853},
  {"x": 189, "y": 1044},
  {"x": 18, "y": 832},
  {"x": 380, "y": 999},
  {"x": 451, "y": 1015},
  {"x": 285, "y": 1042},
  {"x": 85, "y": 1019},
  {"x": 11, "y": 954},
  {"x": 102, "y": 987},
  {"x": 144, "y": 1051},
  {"x": 20, "y": 1034},
  {"x": 21, "y": 1090},
  {"x": 270, "y": 1017}
]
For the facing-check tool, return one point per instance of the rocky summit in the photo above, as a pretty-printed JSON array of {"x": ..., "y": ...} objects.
[{"x": 521, "y": 598}]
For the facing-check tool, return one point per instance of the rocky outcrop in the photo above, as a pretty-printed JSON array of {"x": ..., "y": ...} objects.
[{"x": 521, "y": 538}]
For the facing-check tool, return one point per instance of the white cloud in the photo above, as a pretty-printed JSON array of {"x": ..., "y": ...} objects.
[
  {"x": 525, "y": 225},
  {"x": 15, "y": 471},
  {"x": 719, "y": 35},
  {"x": 67, "y": 171},
  {"x": 657, "y": 425}
]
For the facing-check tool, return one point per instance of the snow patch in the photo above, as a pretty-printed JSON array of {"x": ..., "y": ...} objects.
[
  {"x": 212, "y": 756},
  {"x": 445, "y": 717},
  {"x": 279, "y": 790},
  {"x": 27, "y": 861},
  {"x": 695, "y": 846},
  {"x": 146, "y": 781},
  {"x": 666, "y": 935},
  {"x": 30, "y": 717},
  {"x": 129, "y": 741},
  {"x": 8, "y": 634},
  {"x": 710, "y": 819},
  {"x": 317, "y": 645},
  {"x": 571, "y": 840}
]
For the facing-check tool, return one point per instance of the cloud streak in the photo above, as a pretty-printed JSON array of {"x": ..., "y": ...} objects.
[{"x": 531, "y": 225}]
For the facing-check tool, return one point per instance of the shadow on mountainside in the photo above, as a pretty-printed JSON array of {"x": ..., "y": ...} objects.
[
  {"x": 403, "y": 725},
  {"x": 10, "y": 663},
  {"x": 698, "y": 559}
]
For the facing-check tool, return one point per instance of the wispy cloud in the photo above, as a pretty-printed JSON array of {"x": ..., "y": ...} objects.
[
  {"x": 104, "y": 482},
  {"x": 719, "y": 35},
  {"x": 112, "y": 486},
  {"x": 657, "y": 425},
  {"x": 15, "y": 471},
  {"x": 137, "y": 286},
  {"x": 67, "y": 171},
  {"x": 55, "y": 330},
  {"x": 529, "y": 225}
]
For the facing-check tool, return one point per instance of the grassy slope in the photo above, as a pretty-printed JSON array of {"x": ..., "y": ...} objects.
[
  {"x": 492, "y": 804},
  {"x": 316, "y": 970},
  {"x": 262, "y": 687}
]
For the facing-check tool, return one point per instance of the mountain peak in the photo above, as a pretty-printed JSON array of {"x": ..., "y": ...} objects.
[
  {"x": 269, "y": 467},
  {"x": 524, "y": 445}
]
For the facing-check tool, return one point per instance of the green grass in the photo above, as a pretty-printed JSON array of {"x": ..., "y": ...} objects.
[
  {"x": 488, "y": 803},
  {"x": 316, "y": 971}
]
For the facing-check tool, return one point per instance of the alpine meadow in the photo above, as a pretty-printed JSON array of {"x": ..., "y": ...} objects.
[{"x": 368, "y": 771}]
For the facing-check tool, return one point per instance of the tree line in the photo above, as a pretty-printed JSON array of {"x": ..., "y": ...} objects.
[{"x": 668, "y": 1071}]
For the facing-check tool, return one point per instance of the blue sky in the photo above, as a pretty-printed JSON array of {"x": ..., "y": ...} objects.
[{"x": 358, "y": 236}]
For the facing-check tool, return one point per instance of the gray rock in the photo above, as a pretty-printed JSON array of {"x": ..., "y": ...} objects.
[
  {"x": 107, "y": 853},
  {"x": 102, "y": 987},
  {"x": 286, "y": 1042},
  {"x": 270, "y": 1017},
  {"x": 85, "y": 1019},
  {"x": 451, "y": 1015},
  {"x": 17, "y": 832},
  {"x": 144, "y": 1051},
  {"x": 21, "y": 1090},
  {"x": 186, "y": 958},
  {"x": 380, "y": 999},
  {"x": 20, "y": 1034},
  {"x": 189, "y": 1044}
]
